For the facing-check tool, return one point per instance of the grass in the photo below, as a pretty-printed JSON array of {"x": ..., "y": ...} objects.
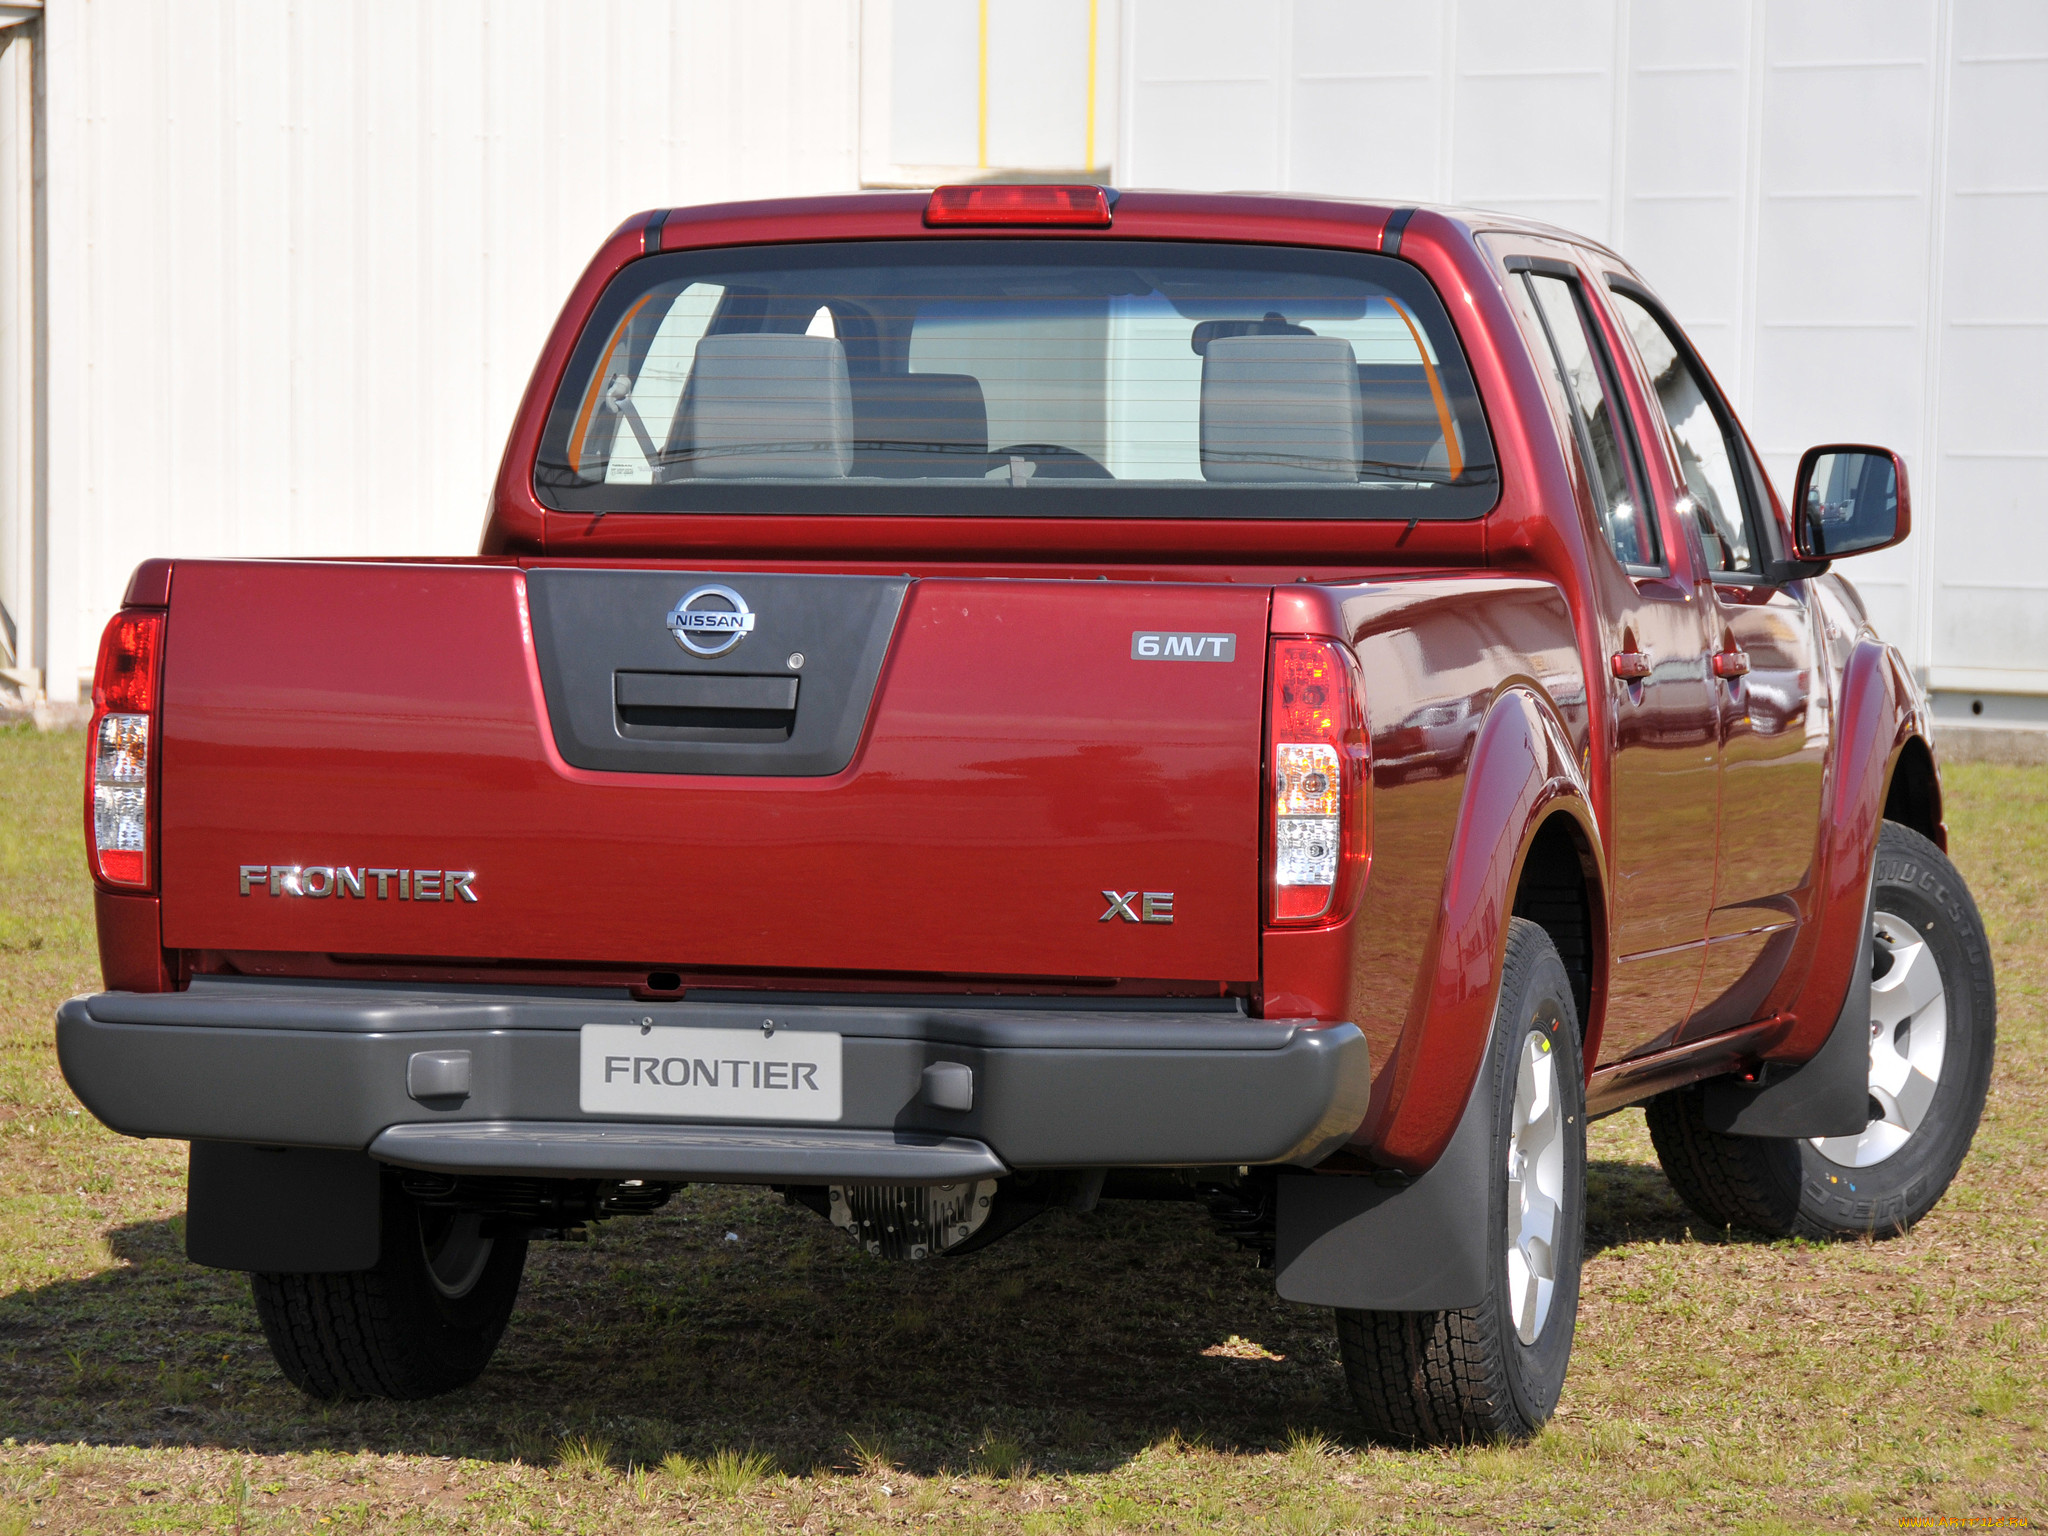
[
  {"x": 584, "y": 1455},
  {"x": 730, "y": 1473},
  {"x": 1127, "y": 1370}
]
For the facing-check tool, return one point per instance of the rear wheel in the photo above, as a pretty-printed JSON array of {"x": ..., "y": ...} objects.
[
  {"x": 1933, "y": 1022},
  {"x": 1495, "y": 1371},
  {"x": 424, "y": 1321}
]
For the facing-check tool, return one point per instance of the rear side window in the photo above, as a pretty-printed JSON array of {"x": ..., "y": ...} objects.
[
  {"x": 1011, "y": 377},
  {"x": 1705, "y": 441},
  {"x": 1604, "y": 441}
]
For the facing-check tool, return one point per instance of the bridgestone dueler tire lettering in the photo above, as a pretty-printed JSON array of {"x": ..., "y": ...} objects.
[
  {"x": 1786, "y": 1187},
  {"x": 387, "y": 1332},
  {"x": 1441, "y": 1378}
]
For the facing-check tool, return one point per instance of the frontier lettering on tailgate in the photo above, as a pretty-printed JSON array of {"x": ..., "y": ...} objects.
[{"x": 371, "y": 882}]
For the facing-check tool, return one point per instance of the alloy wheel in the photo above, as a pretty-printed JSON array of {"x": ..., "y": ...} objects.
[
  {"x": 1908, "y": 1037},
  {"x": 1535, "y": 1186}
]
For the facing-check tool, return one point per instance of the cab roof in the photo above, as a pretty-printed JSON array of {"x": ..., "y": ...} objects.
[{"x": 1144, "y": 213}]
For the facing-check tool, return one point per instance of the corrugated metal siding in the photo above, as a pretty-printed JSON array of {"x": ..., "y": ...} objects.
[
  {"x": 1841, "y": 301},
  {"x": 1988, "y": 586},
  {"x": 303, "y": 255},
  {"x": 1844, "y": 200},
  {"x": 20, "y": 600}
]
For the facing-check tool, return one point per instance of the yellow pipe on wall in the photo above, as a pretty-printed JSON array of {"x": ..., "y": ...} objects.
[
  {"x": 981, "y": 123},
  {"x": 1088, "y": 159}
]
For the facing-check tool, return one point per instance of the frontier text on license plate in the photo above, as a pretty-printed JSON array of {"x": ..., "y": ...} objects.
[{"x": 711, "y": 1074}]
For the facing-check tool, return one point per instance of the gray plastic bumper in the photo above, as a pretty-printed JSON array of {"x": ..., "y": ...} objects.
[{"x": 307, "y": 1064}]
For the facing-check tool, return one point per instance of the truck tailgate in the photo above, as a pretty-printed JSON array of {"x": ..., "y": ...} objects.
[{"x": 1011, "y": 760}]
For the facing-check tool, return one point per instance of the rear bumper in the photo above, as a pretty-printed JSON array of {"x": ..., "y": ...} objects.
[{"x": 316, "y": 1065}]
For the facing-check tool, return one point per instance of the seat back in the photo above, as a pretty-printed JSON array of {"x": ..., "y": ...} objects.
[
  {"x": 768, "y": 404},
  {"x": 912, "y": 425},
  {"x": 1280, "y": 408}
]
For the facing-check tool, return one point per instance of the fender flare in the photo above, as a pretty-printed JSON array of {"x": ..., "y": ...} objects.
[
  {"x": 1815, "y": 1081},
  {"x": 1877, "y": 715},
  {"x": 1521, "y": 772}
]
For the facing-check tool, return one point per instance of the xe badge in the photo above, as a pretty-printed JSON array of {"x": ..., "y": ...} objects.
[{"x": 1156, "y": 906}]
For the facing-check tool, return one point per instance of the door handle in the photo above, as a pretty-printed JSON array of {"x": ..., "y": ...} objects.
[
  {"x": 1731, "y": 663},
  {"x": 1631, "y": 664}
]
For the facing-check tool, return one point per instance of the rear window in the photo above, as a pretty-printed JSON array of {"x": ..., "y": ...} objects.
[{"x": 1020, "y": 377}]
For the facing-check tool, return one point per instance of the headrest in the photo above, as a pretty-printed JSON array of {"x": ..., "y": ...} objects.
[
  {"x": 763, "y": 403},
  {"x": 907, "y": 425},
  {"x": 1280, "y": 408}
]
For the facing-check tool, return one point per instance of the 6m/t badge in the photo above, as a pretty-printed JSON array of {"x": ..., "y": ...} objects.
[{"x": 1161, "y": 645}]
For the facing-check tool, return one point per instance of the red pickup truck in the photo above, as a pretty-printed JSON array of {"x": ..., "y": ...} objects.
[{"x": 983, "y": 702}]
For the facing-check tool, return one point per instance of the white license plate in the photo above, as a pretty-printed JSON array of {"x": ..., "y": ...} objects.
[{"x": 711, "y": 1074}]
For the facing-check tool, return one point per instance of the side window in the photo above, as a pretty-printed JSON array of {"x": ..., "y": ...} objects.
[
  {"x": 1604, "y": 441},
  {"x": 1706, "y": 450}
]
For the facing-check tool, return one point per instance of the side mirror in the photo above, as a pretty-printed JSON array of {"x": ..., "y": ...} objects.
[{"x": 1849, "y": 499}]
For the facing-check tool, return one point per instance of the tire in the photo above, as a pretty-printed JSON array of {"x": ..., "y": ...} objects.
[
  {"x": 1934, "y": 1020},
  {"x": 1495, "y": 1371},
  {"x": 424, "y": 1321}
]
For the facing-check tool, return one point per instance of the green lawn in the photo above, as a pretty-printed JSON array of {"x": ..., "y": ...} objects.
[{"x": 1125, "y": 1370}]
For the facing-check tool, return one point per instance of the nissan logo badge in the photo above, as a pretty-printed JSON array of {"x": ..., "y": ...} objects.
[{"x": 711, "y": 631}]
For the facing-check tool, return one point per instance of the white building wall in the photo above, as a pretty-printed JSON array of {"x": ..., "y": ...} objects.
[
  {"x": 21, "y": 597},
  {"x": 301, "y": 256},
  {"x": 1845, "y": 201},
  {"x": 1987, "y": 575}
]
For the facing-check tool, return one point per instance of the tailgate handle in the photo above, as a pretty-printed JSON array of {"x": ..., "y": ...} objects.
[
  {"x": 705, "y": 690},
  {"x": 704, "y": 706}
]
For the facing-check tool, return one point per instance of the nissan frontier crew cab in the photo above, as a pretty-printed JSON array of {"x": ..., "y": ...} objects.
[{"x": 994, "y": 700}]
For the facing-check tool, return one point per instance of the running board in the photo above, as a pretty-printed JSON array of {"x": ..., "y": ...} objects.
[{"x": 1644, "y": 1077}]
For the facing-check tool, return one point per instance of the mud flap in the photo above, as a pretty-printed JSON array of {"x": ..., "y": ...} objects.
[
  {"x": 1826, "y": 1095},
  {"x": 1390, "y": 1242},
  {"x": 281, "y": 1210}
]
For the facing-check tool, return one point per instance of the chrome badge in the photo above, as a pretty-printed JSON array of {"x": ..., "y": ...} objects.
[
  {"x": 364, "y": 883},
  {"x": 1156, "y": 906},
  {"x": 711, "y": 631}
]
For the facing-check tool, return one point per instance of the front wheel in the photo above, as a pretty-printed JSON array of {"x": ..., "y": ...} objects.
[
  {"x": 1933, "y": 1023},
  {"x": 1495, "y": 1371},
  {"x": 424, "y": 1321}
]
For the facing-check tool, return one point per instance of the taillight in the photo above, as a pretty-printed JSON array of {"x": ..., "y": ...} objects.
[
  {"x": 1315, "y": 740},
  {"x": 124, "y": 687},
  {"x": 1019, "y": 203}
]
